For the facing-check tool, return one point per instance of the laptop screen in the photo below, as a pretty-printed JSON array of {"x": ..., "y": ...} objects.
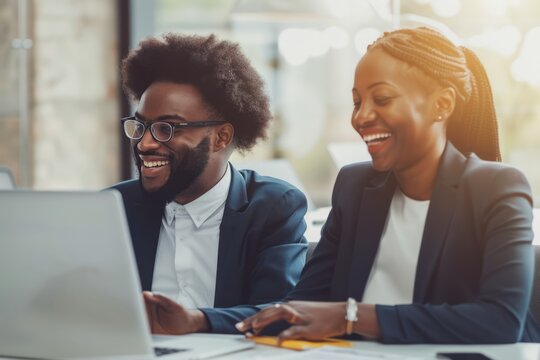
[
  {"x": 69, "y": 286},
  {"x": 68, "y": 277}
]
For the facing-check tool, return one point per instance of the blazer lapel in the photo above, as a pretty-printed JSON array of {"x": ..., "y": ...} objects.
[
  {"x": 146, "y": 227},
  {"x": 230, "y": 261},
  {"x": 371, "y": 219},
  {"x": 438, "y": 219}
]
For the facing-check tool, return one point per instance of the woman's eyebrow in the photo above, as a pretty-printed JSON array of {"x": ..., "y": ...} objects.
[{"x": 379, "y": 83}]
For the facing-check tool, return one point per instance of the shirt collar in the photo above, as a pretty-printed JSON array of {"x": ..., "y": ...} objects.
[{"x": 200, "y": 209}]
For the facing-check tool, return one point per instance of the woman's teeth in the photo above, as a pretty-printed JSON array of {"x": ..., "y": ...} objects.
[{"x": 376, "y": 137}]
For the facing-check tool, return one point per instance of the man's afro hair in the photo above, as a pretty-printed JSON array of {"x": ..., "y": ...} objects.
[{"x": 219, "y": 70}]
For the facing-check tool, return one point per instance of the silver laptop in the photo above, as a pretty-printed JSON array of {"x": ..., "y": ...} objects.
[
  {"x": 69, "y": 286},
  {"x": 6, "y": 178}
]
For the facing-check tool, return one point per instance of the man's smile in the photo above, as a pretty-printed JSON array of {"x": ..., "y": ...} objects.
[{"x": 153, "y": 164}]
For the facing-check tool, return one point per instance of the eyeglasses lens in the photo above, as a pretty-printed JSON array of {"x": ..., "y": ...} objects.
[
  {"x": 162, "y": 131},
  {"x": 133, "y": 129}
]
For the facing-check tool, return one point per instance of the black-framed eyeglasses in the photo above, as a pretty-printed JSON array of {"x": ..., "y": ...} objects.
[{"x": 161, "y": 131}]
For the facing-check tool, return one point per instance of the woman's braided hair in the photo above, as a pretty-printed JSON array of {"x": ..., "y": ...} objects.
[{"x": 472, "y": 127}]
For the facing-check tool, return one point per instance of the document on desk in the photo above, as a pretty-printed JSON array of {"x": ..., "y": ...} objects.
[{"x": 327, "y": 353}]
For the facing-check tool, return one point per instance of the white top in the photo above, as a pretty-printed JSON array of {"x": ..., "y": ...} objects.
[
  {"x": 187, "y": 252},
  {"x": 393, "y": 273}
]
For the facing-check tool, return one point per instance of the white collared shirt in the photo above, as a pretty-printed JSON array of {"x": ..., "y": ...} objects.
[
  {"x": 186, "y": 259},
  {"x": 393, "y": 273}
]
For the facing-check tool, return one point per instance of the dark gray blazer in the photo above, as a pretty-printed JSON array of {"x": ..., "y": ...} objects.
[
  {"x": 475, "y": 267},
  {"x": 262, "y": 247}
]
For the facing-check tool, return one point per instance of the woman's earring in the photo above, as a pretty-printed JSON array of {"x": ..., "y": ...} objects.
[{"x": 440, "y": 118}]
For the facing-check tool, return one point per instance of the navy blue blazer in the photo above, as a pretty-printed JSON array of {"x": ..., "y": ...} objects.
[
  {"x": 475, "y": 268},
  {"x": 262, "y": 247}
]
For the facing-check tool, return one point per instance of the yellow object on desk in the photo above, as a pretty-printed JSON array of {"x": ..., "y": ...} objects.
[{"x": 300, "y": 344}]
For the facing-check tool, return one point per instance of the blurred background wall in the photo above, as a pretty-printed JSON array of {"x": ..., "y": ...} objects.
[
  {"x": 59, "y": 92},
  {"x": 60, "y": 100}
]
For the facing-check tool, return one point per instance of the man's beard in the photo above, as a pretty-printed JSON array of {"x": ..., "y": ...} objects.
[{"x": 182, "y": 172}]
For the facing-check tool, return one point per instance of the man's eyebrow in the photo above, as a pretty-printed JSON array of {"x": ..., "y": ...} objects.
[
  {"x": 162, "y": 117},
  {"x": 171, "y": 117}
]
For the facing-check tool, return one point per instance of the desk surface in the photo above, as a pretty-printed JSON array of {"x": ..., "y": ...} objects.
[{"x": 521, "y": 351}]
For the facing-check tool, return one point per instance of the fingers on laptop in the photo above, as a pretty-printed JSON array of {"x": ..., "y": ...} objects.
[
  {"x": 166, "y": 303},
  {"x": 269, "y": 315},
  {"x": 150, "y": 307}
]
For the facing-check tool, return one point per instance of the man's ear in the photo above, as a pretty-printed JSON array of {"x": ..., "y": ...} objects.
[
  {"x": 224, "y": 135},
  {"x": 445, "y": 103}
]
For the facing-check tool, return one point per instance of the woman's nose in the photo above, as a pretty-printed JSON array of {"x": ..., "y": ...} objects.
[{"x": 364, "y": 116}]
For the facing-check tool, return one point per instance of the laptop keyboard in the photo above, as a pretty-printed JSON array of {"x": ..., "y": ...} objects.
[{"x": 160, "y": 351}]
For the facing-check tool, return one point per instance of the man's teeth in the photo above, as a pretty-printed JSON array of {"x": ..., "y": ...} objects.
[
  {"x": 375, "y": 137},
  {"x": 151, "y": 164}
]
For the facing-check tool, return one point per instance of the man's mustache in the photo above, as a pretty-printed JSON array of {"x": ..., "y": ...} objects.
[{"x": 152, "y": 153}]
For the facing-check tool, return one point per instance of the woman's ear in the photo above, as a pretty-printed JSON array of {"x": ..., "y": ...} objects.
[
  {"x": 224, "y": 136},
  {"x": 445, "y": 103}
]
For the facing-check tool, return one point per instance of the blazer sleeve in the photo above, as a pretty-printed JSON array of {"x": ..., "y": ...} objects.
[
  {"x": 316, "y": 280},
  {"x": 498, "y": 313},
  {"x": 278, "y": 261}
]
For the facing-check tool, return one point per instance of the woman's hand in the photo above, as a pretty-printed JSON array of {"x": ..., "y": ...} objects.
[{"x": 309, "y": 319}]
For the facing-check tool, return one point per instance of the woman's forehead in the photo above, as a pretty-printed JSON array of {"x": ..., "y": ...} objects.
[
  {"x": 378, "y": 62},
  {"x": 378, "y": 66}
]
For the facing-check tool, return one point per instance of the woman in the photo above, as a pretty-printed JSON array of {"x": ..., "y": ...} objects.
[{"x": 433, "y": 237}]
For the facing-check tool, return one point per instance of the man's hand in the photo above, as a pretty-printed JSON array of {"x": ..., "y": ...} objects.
[{"x": 168, "y": 317}]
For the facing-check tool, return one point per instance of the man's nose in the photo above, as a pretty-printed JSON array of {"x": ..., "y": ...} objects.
[{"x": 147, "y": 141}]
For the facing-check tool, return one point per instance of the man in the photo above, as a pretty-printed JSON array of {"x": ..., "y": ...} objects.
[{"x": 213, "y": 240}]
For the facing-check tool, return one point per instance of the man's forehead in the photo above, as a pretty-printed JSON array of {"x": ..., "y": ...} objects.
[
  {"x": 162, "y": 117},
  {"x": 173, "y": 92},
  {"x": 183, "y": 100}
]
